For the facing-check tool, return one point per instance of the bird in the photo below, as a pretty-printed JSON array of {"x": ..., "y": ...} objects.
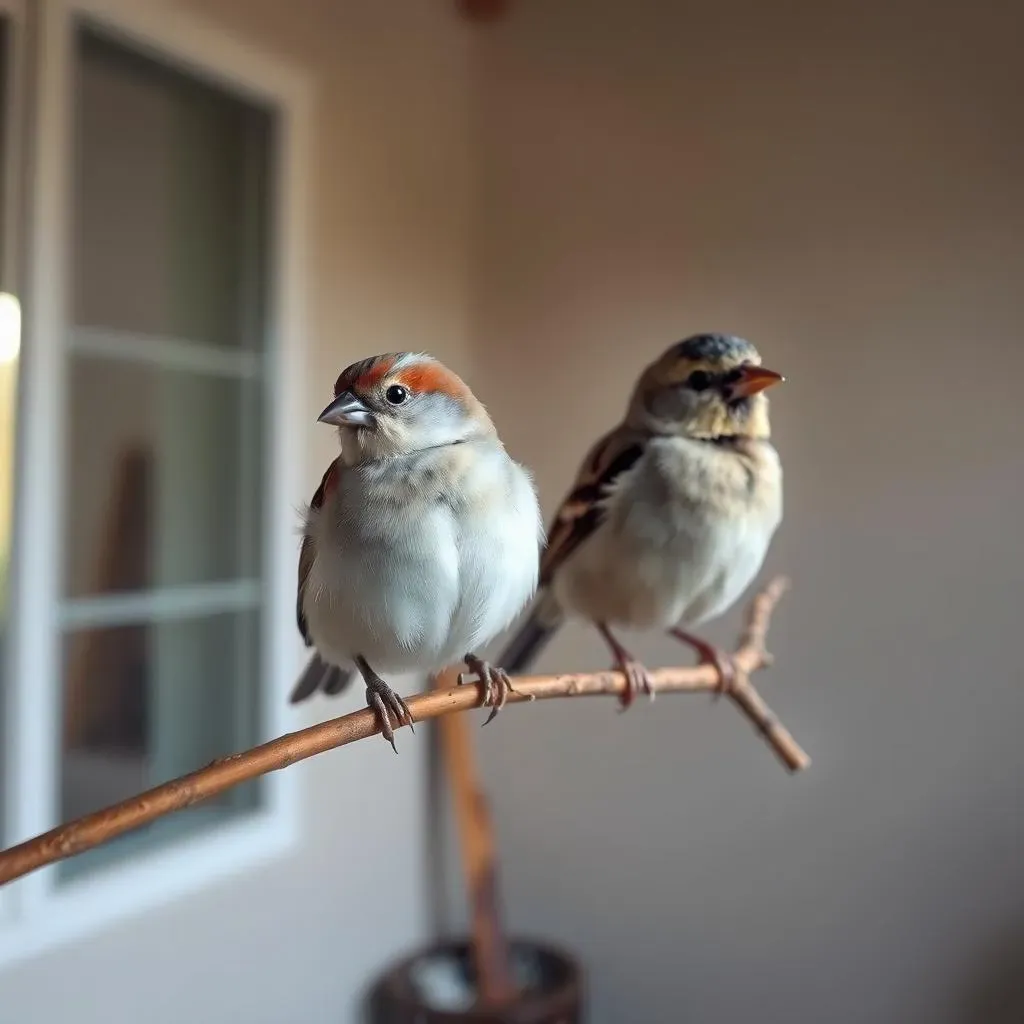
[
  {"x": 422, "y": 541},
  {"x": 671, "y": 513}
]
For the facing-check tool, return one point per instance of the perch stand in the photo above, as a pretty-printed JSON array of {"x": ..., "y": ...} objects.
[{"x": 487, "y": 979}]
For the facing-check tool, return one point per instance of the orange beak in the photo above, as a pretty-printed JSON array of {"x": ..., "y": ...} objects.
[{"x": 754, "y": 379}]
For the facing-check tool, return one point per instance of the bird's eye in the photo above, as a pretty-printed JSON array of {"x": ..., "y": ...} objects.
[
  {"x": 699, "y": 380},
  {"x": 396, "y": 394}
]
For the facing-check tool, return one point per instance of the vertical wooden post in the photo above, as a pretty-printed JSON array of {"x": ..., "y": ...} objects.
[{"x": 479, "y": 855}]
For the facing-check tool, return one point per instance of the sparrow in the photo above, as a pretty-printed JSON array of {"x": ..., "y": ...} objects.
[
  {"x": 671, "y": 513},
  {"x": 421, "y": 543}
]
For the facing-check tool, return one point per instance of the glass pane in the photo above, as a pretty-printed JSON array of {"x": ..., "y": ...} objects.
[
  {"x": 171, "y": 179},
  {"x": 164, "y": 481},
  {"x": 146, "y": 703}
]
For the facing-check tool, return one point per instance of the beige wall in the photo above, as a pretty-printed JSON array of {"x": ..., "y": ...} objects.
[
  {"x": 842, "y": 185},
  {"x": 390, "y": 205}
]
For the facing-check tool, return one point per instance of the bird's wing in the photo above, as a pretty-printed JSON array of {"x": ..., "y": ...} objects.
[
  {"x": 328, "y": 482},
  {"x": 581, "y": 510}
]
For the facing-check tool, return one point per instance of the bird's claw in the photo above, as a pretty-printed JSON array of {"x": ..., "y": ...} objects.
[
  {"x": 711, "y": 655},
  {"x": 385, "y": 702},
  {"x": 497, "y": 684},
  {"x": 638, "y": 679},
  {"x": 726, "y": 669},
  {"x": 637, "y": 676}
]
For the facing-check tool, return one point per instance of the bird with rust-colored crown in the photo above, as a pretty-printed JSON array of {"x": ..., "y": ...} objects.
[
  {"x": 422, "y": 541},
  {"x": 672, "y": 512}
]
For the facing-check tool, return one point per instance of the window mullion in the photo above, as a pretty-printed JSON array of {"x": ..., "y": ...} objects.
[
  {"x": 104, "y": 611},
  {"x": 251, "y": 315},
  {"x": 165, "y": 353},
  {"x": 283, "y": 385},
  {"x": 32, "y": 740}
]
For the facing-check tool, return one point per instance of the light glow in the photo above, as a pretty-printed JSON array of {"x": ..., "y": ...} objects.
[{"x": 10, "y": 328}]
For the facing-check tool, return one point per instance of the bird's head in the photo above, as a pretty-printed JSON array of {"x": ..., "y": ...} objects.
[
  {"x": 399, "y": 403},
  {"x": 707, "y": 387}
]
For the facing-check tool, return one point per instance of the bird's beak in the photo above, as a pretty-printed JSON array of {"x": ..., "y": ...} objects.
[
  {"x": 346, "y": 411},
  {"x": 754, "y": 379}
]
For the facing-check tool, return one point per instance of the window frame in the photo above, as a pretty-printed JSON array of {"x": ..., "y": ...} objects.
[{"x": 37, "y": 912}]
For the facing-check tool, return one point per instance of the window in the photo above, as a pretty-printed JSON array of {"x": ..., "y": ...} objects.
[
  {"x": 164, "y": 434},
  {"x": 150, "y": 627}
]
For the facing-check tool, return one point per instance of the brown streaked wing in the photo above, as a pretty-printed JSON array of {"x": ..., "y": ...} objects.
[
  {"x": 580, "y": 512},
  {"x": 327, "y": 484}
]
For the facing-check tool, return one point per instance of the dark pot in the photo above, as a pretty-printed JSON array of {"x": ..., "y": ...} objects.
[{"x": 436, "y": 986}]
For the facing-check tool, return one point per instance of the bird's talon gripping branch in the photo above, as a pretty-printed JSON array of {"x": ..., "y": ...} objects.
[
  {"x": 638, "y": 680},
  {"x": 727, "y": 675},
  {"x": 386, "y": 704},
  {"x": 374, "y": 701},
  {"x": 711, "y": 655},
  {"x": 637, "y": 677},
  {"x": 497, "y": 684}
]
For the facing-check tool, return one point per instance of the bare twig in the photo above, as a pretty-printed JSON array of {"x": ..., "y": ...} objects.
[{"x": 101, "y": 826}]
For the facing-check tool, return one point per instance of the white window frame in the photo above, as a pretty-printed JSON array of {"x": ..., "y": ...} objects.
[
  {"x": 36, "y": 912},
  {"x": 14, "y": 128}
]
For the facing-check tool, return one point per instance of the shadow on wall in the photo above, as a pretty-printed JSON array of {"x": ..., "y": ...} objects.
[{"x": 995, "y": 993}]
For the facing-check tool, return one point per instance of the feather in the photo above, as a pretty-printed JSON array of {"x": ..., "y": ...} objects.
[
  {"x": 581, "y": 511},
  {"x": 317, "y": 676},
  {"x": 307, "y": 553},
  {"x": 531, "y": 638}
]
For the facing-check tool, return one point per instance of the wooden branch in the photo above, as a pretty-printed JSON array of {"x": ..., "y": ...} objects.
[
  {"x": 101, "y": 826},
  {"x": 494, "y": 980}
]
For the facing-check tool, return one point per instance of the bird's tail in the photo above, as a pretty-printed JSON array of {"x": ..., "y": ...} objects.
[
  {"x": 532, "y": 636},
  {"x": 320, "y": 676}
]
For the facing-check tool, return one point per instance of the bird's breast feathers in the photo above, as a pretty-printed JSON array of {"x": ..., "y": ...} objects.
[
  {"x": 423, "y": 567},
  {"x": 501, "y": 532},
  {"x": 682, "y": 534}
]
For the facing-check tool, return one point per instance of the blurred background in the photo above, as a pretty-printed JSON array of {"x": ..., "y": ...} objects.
[{"x": 211, "y": 206}]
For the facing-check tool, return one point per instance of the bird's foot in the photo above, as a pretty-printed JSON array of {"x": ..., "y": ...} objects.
[
  {"x": 711, "y": 655},
  {"x": 385, "y": 704},
  {"x": 497, "y": 683},
  {"x": 638, "y": 679}
]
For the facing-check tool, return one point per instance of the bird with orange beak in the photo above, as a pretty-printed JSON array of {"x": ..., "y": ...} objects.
[{"x": 672, "y": 512}]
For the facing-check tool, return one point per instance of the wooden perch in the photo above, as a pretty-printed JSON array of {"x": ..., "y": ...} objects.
[{"x": 101, "y": 826}]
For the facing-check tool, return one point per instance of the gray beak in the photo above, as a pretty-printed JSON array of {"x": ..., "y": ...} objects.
[{"x": 346, "y": 411}]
